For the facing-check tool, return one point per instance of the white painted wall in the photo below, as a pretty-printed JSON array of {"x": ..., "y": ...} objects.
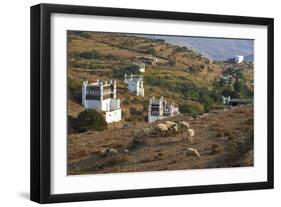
[
  {"x": 14, "y": 148},
  {"x": 104, "y": 105},
  {"x": 239, "y": 58},
  {"x": 136, "y": 86},
  {"x": 113, "y": 116}
]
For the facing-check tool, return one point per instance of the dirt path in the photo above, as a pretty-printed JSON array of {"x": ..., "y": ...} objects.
[{"x": 222, "y": 139}]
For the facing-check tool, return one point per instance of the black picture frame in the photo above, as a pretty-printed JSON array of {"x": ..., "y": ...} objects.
[{"x": 41, "y": 98}]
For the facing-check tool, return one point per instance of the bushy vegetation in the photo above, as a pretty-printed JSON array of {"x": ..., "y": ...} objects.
[
  {"x": 191, "y": 94},
  {"x": 180, "y": 49},
  {"x": 119, "y": 73},
  {"x": 135, "y": 115},
  {"x": 234, "y": 89},
  {"x": 172, "y": 62},
  {"x": 151, "y": 51},
  {"x": 90, "y": 55},
  {"x": 192, "y": 108},
  {"x": 189, "y": 90},
  {"x": 89, "y": 119},
  {"x": 74, "y": 89},
  {"x": 196, "y": 68},
  {"x": 85, "y": 35}
]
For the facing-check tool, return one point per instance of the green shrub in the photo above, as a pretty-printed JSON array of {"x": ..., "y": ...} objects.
[
  {"x": 145, "y": 105},
  {"x": 193, "y": 108},
  {"x": 151, "y": 51},
  {"x": 118, "y": 73},
  {"x": 180, "y": 49},
  {"x": 172, "y": 62},
  {"x": 191, "y": 94},
  {"x": 85, "y": 35},
  {"x": 73, "y": 85},
  {"x": 207, "y": 101},
  {"x": 74, "y": 89},
  {"x": 135, "y": 112},
  {"x": 90, "y": 119},
  {"x": 90, "y": 55}
]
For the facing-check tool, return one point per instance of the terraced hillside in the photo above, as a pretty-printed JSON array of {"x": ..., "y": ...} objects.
[{"x": 181, "y": 75}]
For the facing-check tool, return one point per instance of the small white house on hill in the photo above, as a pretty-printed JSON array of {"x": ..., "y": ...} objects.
[
  {"x": 238, "y": 58},
  {"x": 101, "y": 96},
  {"x": 135, "y": 84}
]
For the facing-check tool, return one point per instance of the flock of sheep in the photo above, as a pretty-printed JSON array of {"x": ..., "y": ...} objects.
[
  {"x": 162, "y": 129},
  {"x": 167, "y": 128}
]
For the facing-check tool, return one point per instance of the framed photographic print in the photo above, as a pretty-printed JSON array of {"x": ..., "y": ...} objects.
[{"x": 133, "y": 103}]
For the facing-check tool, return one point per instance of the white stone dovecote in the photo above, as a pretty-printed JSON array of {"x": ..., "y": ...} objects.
[
  {"x": 159, "y": 109},
  {"x": 102, "y": 97},
  {"x": 135, "y": 84}
]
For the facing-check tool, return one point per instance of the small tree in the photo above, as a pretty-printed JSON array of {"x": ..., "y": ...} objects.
[
  {"x": 151, "y": 51},
  {"x": 90, "y": 119}
]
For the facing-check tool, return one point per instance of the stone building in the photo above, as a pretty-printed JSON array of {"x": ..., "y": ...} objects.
[
  {"x": 135, "y": 84},
  {"x": 101, "y": 96},
  {"x": 159, "y": 109}
]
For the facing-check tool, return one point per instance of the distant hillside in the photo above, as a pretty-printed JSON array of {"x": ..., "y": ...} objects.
[{"x": 214, "y": 48}]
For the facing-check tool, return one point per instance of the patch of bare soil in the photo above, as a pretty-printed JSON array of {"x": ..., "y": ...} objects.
[{"x": 223, "y": 139}]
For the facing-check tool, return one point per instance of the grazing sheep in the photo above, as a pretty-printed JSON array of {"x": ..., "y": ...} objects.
[
  {"x": 104, "y": 152},
  {"x": 126, "y": 151},
  {"x": 172, "y": 126},
  {"x": 190, "y": 134},
  {"x": 175, "y": 130},
  {"x": 183, "y": 125},
  {"x": 112, "y": 151},
  {"x": 108, "y": 151},
  {"x": 162, "y": 129},
  {"x": 192, "y": 152}
]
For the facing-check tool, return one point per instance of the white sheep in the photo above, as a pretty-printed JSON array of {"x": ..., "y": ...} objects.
[
  {"x": 172, "y": 126},
  {"x": 104, "y": 152},
  {"x": 108, "y": 151},
  {"x": 175, "y": 130},
  {"x": 162, "y": 129},
  {"x": 126, "y": 151},
  {"x": 112, "y": 151},
  {"x": 183, "y": 125},
  {"x": 190, "y": 135},
  {"x": 192, "y": 152}
]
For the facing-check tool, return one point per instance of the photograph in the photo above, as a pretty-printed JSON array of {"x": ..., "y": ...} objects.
[{"x": 150, "y": 102}]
